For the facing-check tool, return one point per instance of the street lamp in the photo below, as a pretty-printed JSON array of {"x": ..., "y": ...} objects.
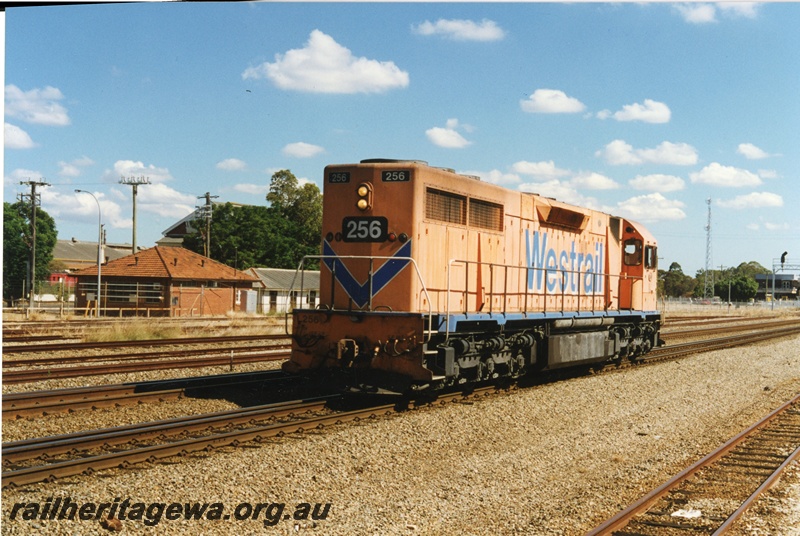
[{"x": 99, "y": 244}]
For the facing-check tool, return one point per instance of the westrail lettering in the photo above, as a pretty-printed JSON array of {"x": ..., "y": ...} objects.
[{"x": 566, "y": 270}]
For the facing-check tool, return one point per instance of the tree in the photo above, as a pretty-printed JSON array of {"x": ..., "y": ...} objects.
[
  {"x": 740, "y": 288},
  {"x": 277, "y": 236},
  {"x": 17, "y": 247},
  {"x": 676, "y": 283},
  {"x": 301, "y": 208}
]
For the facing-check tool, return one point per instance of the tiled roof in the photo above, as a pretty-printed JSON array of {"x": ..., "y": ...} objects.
[
  {"x": 279, "y": 279},
  {"x": 169, "y": 263}
]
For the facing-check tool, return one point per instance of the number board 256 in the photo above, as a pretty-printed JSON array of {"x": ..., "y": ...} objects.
[{"x": 396, "y": 175}]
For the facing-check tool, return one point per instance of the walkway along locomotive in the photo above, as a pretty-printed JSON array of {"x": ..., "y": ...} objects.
[{"x": 429, "y": 278}]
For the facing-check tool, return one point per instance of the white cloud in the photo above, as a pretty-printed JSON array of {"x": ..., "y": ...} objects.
[
  {"x": 324, "y": 66},
  {"x": 130, "y": 168},
  {"x": 753, "y": 200},
  {"x": 251, "y": 189},
  {"x": 21, "y": 175},
  {"x": 448, "y": 137},
  {"x": 551, "y": 101},
  {"x": 561, "y": 191},
  {"x": 540, "y": 170},
  {"x": 80, "y": 207},
  {"x": 651, "y": 208},
  {"x": 768, "y": 174},
  {"x": 16, "y": 138},
  {"x": 73, "y": 169},
  {"x": 747, "y": 10},
  {"x": 156, "y": 197},
  {"x": 777, "y": 226},
  {"x": 461, "y": 30},
  {"x": 704, "y": 13},
  {"x": 165, "y": 201},
  {"x": 649, "y": 112},
  {"x": 716, "y": 174},
  {"x": 751, "y": 152},
  {"x": 494, "y": 176},
  {"x": 302, "y": 150},
  {"x": 618, "y": 152},
  {"x": 657, "y": 183},
  {"x": 37, "y": 106},
  {"x": 231, "y": 164},
  {"x": 593, "y": 181},
  {"x": 697, "y": 13},
  {"x": 677, "y": 154}
]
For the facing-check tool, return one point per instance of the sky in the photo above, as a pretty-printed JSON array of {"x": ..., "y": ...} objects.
[{"x": 641, "y": 110}]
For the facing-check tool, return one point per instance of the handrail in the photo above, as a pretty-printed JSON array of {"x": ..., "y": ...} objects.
[
  {"x": 372, "y": 259},
  {"x": 546, "y": 274}
]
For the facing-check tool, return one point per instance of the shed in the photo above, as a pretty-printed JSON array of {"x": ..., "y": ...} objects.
[{"x": 279, "y": 294}]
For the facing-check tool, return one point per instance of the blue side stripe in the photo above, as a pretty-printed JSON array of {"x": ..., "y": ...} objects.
[{"x": 359, "y": 292}]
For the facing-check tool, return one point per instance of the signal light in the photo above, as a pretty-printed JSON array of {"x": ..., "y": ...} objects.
[{"x": 364, "y": 192}]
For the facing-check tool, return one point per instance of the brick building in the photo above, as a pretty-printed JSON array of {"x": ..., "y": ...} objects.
[{"x": 163, "y": 281}]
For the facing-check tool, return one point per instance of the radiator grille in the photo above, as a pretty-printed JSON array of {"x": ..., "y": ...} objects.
[
  {"x": 446, "y": 207},
  {"x": 485, "y": 215}
]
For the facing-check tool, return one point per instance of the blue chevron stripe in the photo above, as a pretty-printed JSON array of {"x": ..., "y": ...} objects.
[{"x": 359, "y": 292}]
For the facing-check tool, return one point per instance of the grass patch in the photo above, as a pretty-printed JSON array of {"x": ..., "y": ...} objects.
[{"x": 135, "y": 330}]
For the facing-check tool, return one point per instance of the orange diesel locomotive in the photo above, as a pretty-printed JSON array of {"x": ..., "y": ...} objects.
[{"x": 429, "y": 278}]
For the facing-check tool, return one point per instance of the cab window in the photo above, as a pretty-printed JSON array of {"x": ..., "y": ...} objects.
[
  {"x": 651, "y": 257},
  {"x": 632, "y": 252}
]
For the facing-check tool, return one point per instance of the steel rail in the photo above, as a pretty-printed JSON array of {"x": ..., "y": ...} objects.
[
  {"x": 75, "y": 443},
  {"x": 184, "y": 447},
  {"x": 89, "y": 465},
  {"x": 32, "y": 348},
  {"x": 624, "y": 517},
  {"x": 33, "y": 375},
  {"x": 34, "y": 403},
  {"x": 668, "y": 333},
  {"x": 10, "y": 363}
]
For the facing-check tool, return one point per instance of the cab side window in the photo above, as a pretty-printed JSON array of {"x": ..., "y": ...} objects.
[
  {"x": 651, "y": 257},
  {"x": 632, "y": 252}
]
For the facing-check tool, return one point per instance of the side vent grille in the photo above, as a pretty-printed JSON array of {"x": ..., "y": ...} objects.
[
  {"x": 446, "y": 207},
  {"x": 485, "y": 215}
]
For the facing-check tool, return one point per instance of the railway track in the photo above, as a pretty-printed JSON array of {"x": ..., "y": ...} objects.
[
  {"x": 672, "y": 333},
  {"x": 38, "y": 403},
  {"x": 97, "y": 345},
  {"x": 22, "y": 331},
  {"x": 677, "y": 350},
  {"x": 34, "y": 375},
  {"x": 709, "y": 496},
  {"x": 208, "y": 351},
  {"x": 86, "y": 452}
]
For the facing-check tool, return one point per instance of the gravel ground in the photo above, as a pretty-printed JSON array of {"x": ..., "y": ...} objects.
[{"x": 555, "y": 459}]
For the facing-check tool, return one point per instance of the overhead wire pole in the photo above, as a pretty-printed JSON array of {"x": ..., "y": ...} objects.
[
  {"x": 134, "y": 182},
  {"x": 35, "y": 200},
  {"x": 207, "y": 213}
]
